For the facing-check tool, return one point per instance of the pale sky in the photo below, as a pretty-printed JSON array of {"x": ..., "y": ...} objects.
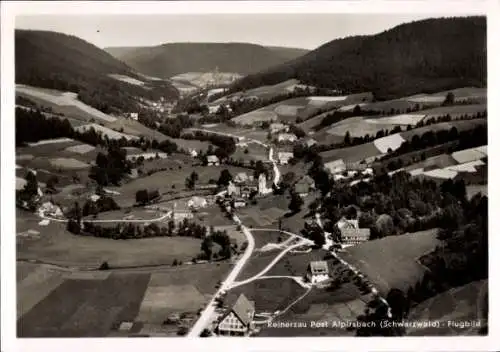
[{"x": 306, "y": 31}]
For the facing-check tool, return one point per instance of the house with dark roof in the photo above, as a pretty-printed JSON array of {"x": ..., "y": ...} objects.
[
  {"x": 317, "y": 271},
  {"x": 237, "y": 320},
  {"x": 304, "y": 186}
]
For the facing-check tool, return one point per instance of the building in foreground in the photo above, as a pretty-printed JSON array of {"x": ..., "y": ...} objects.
[
  {"x": 237, "y": 320},
  {"x": 317, "y": 271}
]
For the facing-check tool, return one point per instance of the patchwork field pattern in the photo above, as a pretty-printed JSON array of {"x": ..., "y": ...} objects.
[{"x": 61, "y": 303}]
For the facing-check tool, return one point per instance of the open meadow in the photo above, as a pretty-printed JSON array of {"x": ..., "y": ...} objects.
[
  {"x": 395, "y": 265},
  {"x": 60, "y": 247}
]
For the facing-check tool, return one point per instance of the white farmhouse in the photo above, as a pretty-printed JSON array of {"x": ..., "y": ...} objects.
[
  {"x": 284, "y": 157},
  {"x": 197, "y": 202},
  {"x": 317, "y": 271},
  {"x": 278, "y": 127},
  {"x": 238, "y": 320},
  {"x": 287, "y": 137},
  {"x": 335, "y": 167},
  {"x": 213, "y": 160}
]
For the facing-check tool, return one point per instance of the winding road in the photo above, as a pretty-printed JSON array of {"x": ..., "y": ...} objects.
[
  {"x": 277, "y": 174},
  {"x": 208, "y": 312}
]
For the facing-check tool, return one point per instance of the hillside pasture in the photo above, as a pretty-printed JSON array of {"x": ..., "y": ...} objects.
[
  {"x": 68, "y": 163},
  {"x": 465, "y": 93},
  {"x": 395, "y": 265},
  {"x": 435, "y": 162},
  {"x": 171, "y": 180},
  {"x": 357, "y": 126},
  {"x": 459, "y": 125},
  {"x": 262, "y": 92},
  {"x": 127, "y": 79},
  {"x": 58, "y": 101},
  {"x": 256, "y": 116},
  {"x": 351, "y": 154},
  {"x": 460, "y": 304},
  {"x": 80, "y": 149},
  {"x": 404, "y": 119},
  {"x": 105, "y": 131},
  {"x": 455, "y": 111}
]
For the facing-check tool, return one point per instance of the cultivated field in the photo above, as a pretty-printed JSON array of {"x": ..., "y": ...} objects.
[
  {"x": 59, "y": 100},
  {"x": 395, "y": 264},
  {"x": 55, "y": 303}
]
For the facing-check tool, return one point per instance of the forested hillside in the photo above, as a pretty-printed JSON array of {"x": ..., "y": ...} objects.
[
  {"x": 59, "y": 61},
  {"x": 423, "y": 56},
  {"x": 168, "y": 60}
]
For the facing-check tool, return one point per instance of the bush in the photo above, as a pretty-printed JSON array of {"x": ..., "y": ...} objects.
[{"x": 104, "y": 266}]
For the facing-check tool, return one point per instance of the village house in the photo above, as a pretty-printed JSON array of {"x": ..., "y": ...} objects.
[
  {"x": 309, "y": 142},
  {"x": 304, "y": 186},
  {"x": 238, "y": 320},
  {"x": 180, "y": 213},
  {"x": 336, "y": 167},
  {"x": 354, "y": 236},
  {"x": 317, "y": 271},
  {"x": 197, "y": 202},
  {"x": 213, "y": 160},
  {"x": 233, "y": 190},
  {"x": 193, "y": 153},
  {"x": 287, "y": 137},
  {"x": 344, "y": 223},
  {"x": 241, "y": 177},
  {"x": 239, "y": 203},
  {"x": 134, "y": 116},
  {"x": 284, "y": 157},
  {"x": 278, "y": 127}
]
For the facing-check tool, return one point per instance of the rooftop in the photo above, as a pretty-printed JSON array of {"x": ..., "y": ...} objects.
[{"x": 318, "y": 267}]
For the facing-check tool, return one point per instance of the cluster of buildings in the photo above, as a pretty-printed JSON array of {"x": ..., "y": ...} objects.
[
  {"x": 343, "y": 171},
  {"x": 240, "y": 189},
  {"x": 238, "y": 318}
]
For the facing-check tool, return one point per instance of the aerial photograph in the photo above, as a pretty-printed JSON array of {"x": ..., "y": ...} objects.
[{"x": 251, "y": 175}]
